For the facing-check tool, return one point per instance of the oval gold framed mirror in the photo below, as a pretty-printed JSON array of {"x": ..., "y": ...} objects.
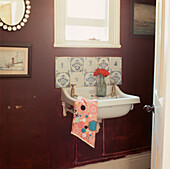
[{"x": 14, "y": 14}]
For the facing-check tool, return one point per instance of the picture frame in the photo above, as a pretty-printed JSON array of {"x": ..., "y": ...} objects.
[
  {"x": 15, "y": 60},
  {"x": 142, "y": 18}
]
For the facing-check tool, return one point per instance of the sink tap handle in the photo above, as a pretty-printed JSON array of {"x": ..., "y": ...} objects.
[
  {"x": 114, "y": 90},
  {"x": 72, "y": 90},
  {"x": 72, "y": 85}
]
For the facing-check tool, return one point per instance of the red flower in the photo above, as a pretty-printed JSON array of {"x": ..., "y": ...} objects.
[
  {"x": 96, "y": 72},
  {"x": 104, "y": 72},
  {"x": 101, "y": 71}
]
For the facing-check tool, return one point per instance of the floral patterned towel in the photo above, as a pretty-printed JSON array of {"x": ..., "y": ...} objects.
[{"x": 85, "y": 120}]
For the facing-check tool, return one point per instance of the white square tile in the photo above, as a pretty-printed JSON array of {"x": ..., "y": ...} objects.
[
  {"x": 77, "y": 64},
  {"x": 116, "y": 77},
  {"x": 89, "y": 79},
  {"x": 103, "y": 62},
  {"x": 62, "y": 80},
  {"x": 62, "y": 64},
  {"x": 77, "y": 78},
  {"x": 90, "y": 64},
  {"x": 115, "y": 63}
]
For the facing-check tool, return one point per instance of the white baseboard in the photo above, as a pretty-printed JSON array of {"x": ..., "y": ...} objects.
[{"x": 137, "y": 161}]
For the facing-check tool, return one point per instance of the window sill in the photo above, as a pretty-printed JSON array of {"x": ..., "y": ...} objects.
[{"x": 87, "y": 45}]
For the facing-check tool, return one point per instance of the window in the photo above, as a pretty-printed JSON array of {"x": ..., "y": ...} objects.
[{"x": 87, "y": 23}]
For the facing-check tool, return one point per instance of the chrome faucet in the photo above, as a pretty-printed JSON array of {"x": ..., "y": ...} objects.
[
  {"x": 114, "y": 91},
  {"x": 73, "y": 90}
]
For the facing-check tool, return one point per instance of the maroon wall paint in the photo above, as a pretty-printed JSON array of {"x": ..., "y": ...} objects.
[{"x": 37, "y": 136}]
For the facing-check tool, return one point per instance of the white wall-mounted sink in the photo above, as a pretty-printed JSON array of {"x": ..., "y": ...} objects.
[{"x": 108, "y": 107}]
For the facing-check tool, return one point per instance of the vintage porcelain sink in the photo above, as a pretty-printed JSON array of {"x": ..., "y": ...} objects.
[{"x": 108, "y": 107}]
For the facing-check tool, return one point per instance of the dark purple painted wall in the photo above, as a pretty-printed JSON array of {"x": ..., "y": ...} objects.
[{"x": 37, "y": 136}]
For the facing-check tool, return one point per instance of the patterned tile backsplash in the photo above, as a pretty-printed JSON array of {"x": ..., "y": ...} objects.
[{"x": 79, "y": 70}]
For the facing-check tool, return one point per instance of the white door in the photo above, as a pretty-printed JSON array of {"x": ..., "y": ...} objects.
[{"x": 161, "y": 94}]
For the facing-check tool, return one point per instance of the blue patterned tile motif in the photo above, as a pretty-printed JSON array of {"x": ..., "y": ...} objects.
[
  {"x": 103, "y": 63},
  {"x": 62, "y": 80},
  {"x": 89, "y": 79},
  {"x": 79, "y": 70},
  {"x": 77, "y": 64},
  {"x": 116, "y": 77}
]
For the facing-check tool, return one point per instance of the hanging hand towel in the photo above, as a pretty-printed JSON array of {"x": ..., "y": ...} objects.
[{"x": 85, "y": 120}]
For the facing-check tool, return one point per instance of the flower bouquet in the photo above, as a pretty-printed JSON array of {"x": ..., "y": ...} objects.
[{"x": 101, "y": 84}]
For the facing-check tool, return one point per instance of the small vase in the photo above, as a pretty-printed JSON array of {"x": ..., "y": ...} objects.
[{"x": 101, "y": 86}]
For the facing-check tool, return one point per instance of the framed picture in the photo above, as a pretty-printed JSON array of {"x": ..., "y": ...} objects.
[
  {"x": 15, "y": 60},
  {"x": 142, "y": 19}
]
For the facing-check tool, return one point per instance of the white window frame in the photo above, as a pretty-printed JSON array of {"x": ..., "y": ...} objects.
[{"x": 114, "y": 28}]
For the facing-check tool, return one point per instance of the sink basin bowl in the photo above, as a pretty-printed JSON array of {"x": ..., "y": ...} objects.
[{"x": 108, "y": 107}]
